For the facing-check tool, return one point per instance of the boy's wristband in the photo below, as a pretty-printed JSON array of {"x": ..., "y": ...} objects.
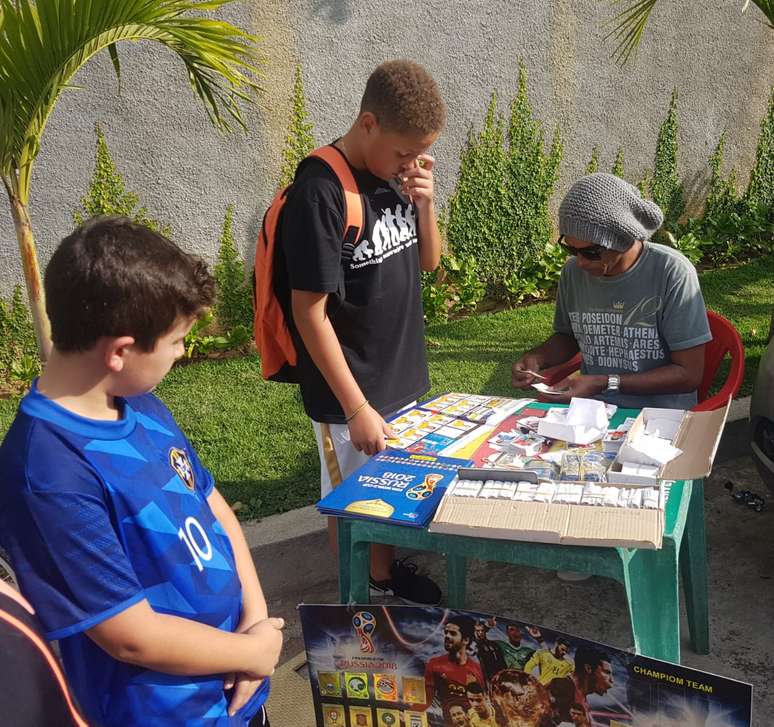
[{"x": 354, "y": 413}]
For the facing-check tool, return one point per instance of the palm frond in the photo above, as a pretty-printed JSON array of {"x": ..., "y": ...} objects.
[
  {"x": 629, "y": 25},
  {"x": 767, "y": 8},
  {"x": 43, "y": 43}
]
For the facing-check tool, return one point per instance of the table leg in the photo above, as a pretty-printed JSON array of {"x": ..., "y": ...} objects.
[
  {"x": 456, "y": 574},
  {"x": 344, "y": 535},
  {"x": 359, "y": 572},
  {"x": 652, "y": 588},
  {"x": 693, "y": 567}
]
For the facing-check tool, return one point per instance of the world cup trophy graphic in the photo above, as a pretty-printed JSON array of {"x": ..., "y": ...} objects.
[
  {"x": 365, "y": 625},
  {"x": 425, "y": 489}
]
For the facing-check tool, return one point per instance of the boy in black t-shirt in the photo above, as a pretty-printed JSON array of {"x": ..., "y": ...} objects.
[{"x": 356, "y": 309}]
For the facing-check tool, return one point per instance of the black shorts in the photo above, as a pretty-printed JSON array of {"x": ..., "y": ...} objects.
[{"x": 261, "y": 719}]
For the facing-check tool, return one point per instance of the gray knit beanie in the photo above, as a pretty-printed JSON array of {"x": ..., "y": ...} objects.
[{"x": 607, "y": 211}]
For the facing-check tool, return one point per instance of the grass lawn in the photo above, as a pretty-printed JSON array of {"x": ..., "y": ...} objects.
[{"x": 257, "y": 441}]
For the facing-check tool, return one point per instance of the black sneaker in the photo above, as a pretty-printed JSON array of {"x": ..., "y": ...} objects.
[{"x": 404, "y": 583}]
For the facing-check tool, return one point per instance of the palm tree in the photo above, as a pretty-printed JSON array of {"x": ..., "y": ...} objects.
[
  {"x": 43, "y": 43},
  {"x": 629, "y": 24}
]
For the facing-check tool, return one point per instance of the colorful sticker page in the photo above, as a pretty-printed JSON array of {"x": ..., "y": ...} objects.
[{"x": 451, "y": 425}]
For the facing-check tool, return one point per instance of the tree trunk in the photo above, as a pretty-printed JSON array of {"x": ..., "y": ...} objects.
[{"x": 35, "y": 295}]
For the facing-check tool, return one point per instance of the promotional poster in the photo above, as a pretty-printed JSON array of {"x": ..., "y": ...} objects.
[{"x": 405, "y": 666}]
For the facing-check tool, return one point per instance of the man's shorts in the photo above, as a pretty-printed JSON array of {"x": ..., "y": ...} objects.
[{"x": 338, "y": 458}]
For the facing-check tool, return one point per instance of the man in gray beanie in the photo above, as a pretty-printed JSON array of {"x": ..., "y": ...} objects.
[{"x": 633, "y": 308}]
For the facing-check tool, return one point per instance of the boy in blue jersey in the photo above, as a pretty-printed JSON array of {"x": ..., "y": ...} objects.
[{"x": 130, "y": 556}]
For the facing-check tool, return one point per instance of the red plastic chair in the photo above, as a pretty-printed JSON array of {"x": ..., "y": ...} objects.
[{"x": 725, "y": 340}]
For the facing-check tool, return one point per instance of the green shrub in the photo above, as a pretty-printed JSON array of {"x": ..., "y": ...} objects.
[
  {"x": 593, "y": 165},
  {"x": 474, "y": 217},
  {"x": 201, "y": 341},
  {"x": 234, "y": 299},
  {"x": 452, "y": 290},
  {"x": 722, "y": 195},
  {"x": 733, "y": 228},
  {"x": 300, "y": 137},
  {"x": 530, "y": 184},
  {"x": 760, "y": 191},
  {"x": 107, "y": 194},
  {"x": 19, "y": 362},
  {"x": 498, "y": 214},
  {"x": 665, "y": 188},
  {"x": 618, "y": 164}
]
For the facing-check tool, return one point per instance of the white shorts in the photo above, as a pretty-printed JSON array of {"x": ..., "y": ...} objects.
[{"x": 338, "y": 458}]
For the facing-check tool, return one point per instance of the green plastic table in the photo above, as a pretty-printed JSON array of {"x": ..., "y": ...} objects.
[{"x": 651, "y": 577}]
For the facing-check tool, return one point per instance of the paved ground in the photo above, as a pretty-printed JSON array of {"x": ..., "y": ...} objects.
[{"x": 294, "y": 564}]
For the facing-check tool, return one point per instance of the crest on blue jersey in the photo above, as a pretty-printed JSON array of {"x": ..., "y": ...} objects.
[{"x": 178, "y": 458}]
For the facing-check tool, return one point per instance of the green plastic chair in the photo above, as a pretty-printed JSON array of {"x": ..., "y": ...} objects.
[{"x": 650, "y": 577}]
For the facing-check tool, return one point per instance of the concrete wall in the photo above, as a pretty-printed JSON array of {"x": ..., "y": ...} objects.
[{"x": 721, "y": 62}]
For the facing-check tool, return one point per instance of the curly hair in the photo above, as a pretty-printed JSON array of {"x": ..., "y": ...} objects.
[{"x": 404, "y": 98}]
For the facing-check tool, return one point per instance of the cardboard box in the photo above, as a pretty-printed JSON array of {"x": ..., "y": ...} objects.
[
  {"x": 545, "y": 523},
  {"x": 695, "y": 433}
]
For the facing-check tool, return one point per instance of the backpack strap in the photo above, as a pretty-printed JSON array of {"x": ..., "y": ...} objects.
[{"x": 354, "y": 213}]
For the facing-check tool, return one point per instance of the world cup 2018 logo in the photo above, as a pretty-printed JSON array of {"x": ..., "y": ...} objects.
[
  {"x": 425, "y": 489},
  {"x": 365, "y": 625}
]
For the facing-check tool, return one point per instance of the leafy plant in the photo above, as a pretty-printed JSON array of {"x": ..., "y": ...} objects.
[
  {"x": 300, "y": 137},
  {"x": 476, "y": 209},
  {"x": 201, "y": 342},
  {"x": 722, "y": 194},
  {"x": 593, "y": 165},
  {"x": 44, "y": 43},
  {"x": 690, "y": 245},
  {"x": 453, "y": 289},
  {"x": 107, "y": 194},
  {"x": 618, "y": 164},
  {"x": 498, "y": 214},
  {"x": 234, "y": 299},
  {"x": 19, "y": 363},
  {"x": 532, "y": 176},
  {"x": 665, "y": 188},
  {"x": 760, "y": 191}
]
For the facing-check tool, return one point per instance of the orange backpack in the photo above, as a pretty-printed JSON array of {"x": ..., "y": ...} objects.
[{"x": 272, "y": 334}]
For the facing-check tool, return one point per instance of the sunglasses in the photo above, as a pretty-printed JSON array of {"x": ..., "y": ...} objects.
[{"x": 590, "y": 253}]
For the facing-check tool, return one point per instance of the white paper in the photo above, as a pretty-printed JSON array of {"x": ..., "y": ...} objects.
[
  {"x": 583, "y": 422},
  {"x": 648, "y": 449},
  {"x": 659, "y": 427},
  {"x": 546, "y": 389},
  {"x": 587, "y": 413}
]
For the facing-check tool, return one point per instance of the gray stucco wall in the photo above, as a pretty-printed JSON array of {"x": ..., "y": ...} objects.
[{"x": 721, "y": 62}]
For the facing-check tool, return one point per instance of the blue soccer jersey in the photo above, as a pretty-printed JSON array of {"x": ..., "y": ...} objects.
[{"x": 97, "y": 516}]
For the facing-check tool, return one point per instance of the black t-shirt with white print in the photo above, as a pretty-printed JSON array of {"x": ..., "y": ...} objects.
[{"x": 375, "y": 296}]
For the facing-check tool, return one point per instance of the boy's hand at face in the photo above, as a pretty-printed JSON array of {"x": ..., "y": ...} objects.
[
  {"x": 368, "y": 431},
  {"x": 417, "y": 181}
]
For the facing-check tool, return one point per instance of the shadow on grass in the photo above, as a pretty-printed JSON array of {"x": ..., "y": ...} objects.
[{"x": 259, "y": 497}]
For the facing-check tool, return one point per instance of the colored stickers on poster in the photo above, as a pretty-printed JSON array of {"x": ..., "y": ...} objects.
[
  {"x": 435, "y": 667},
  {"x": 333, "y": 715},
  {"x": 329, "y": 683},
  {"x": 357, "y": 685},
  {"x": 386, "y": 687}
]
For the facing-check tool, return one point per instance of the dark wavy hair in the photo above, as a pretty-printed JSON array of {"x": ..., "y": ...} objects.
[
  {"x": 404, "y": 98},
  {"x": 114, "y": 277}
]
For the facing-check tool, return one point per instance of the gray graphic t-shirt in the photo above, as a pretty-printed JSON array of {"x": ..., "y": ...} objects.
[{"x": 629, "y": 323}]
